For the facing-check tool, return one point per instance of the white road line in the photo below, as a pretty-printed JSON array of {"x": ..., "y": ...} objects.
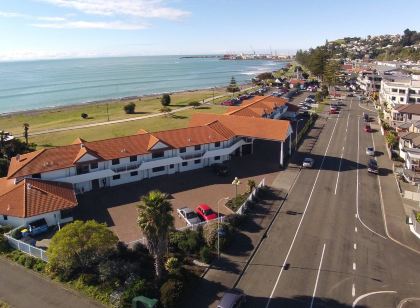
[
  {"x": 353, "y": 290},
  {"x": 341, "y": 158},
  {"x": 354, "y": 266},
  {"x": 357, "y": 184},
  {"x": 301, "y": 219},
  {"x": 355, "y": 229},
  {"x": 406, "y": 300},
  {"x": 355, "y": 215},
  {"x": 317, "y": 277},
  {"x": 368, "y": 294},
  {"x": 355, "y": 246}
]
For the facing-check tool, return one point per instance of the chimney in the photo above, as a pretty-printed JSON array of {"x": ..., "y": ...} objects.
[
  {"x": 18, "y": 158},
  {"x": 82, "y": 145}
]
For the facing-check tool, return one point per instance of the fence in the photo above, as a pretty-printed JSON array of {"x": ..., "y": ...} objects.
[
  {"x": 195, "y": 226},
  {"x": 26, "y": 248},
  {"x": 251, "y": 197}
]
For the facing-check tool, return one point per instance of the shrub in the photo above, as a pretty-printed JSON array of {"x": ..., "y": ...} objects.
[
  {"x": 21, "y": 259},
  {"x": 188, "y": 241},
  {"x": 165, "y": 100},
  {"x": 172, "y": 264},
  {"x": 39, "y": 265},
  {"x": 137, "y": 288},
  {"x": 235, "y": 203},
  {"x": 171, "y": 293},
  {"x": 29, "y": 262},
  {"x": 210, "y": 233},
  {"x": 194, "y": 104},
  {"x": 84, "y": 115},
  {"x": 206, "y": 255},
  {"x": 130, "y": 108},
  {"x": 4, "y": 245}
]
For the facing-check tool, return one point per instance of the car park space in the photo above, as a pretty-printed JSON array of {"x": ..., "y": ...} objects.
[{"x": 116, "y": 206}]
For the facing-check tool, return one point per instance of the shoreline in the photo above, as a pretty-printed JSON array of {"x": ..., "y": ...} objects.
[{"x": 107, "y": 101}]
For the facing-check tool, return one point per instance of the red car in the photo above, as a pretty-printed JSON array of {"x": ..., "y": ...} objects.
[
  {"x": 333, "y": 111},
  {"x": 205, "y": 212},
  {"x": 367, "y": 128},
  {"x": 227, "y": 103}
]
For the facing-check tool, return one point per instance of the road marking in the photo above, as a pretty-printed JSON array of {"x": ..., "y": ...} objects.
[
  {"x": 355, "y": 246},
  {"x": 353, "y": 290},
  {"x": 301, "y": 219},
  {"x": 406, "y": 300},
  {"x": 357, "y": 184},
  {"x": 341, "y": 158},
  {"x": 317, "y": 277},
  {"x": 355, "y": 215},
  {"x": 354, "y": 266},
  {"x": 368, "y": 294},
  {"x": 355, "y": 229}
]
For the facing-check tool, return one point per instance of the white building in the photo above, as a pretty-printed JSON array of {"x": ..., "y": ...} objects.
[
  {"x": 369, "y": 81},
  {"x": 84, "y": 166}
]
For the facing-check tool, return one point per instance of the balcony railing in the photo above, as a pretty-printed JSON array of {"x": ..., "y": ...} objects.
[
  {"x": 125, "y": 168},
  {"x": 192, "y": 156}
]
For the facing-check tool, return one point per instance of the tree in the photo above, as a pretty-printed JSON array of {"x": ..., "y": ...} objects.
[
  {"x": 4, "y": 166},
  {"x": 233, "y": 86},
  {"x": 26, "y": 132},
  {"x": 165, "y": 100},
  {"x": 130, "y": 108},
  {"x": 391, "y": 139},
  {"x": 194, "y": 104},
  {"x": 78, "y": 246},
  {"x": 251, "y": 185},
  {"x": 330, "y": 72},
  {"x": 84, "y": 115},
  {"x": 2, "y": 138},
  {"x": 155, "y": 220}
]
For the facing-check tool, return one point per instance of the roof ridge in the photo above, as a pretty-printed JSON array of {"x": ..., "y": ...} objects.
[{"x": 30, "y": 160}]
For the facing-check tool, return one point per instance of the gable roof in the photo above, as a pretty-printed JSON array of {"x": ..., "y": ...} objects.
[
  {"x": 257, "y": 106},
  {"x": 32, "y": 197},
  {"x": 409, "y": 108},
  {"x": 276, "y": 130}
]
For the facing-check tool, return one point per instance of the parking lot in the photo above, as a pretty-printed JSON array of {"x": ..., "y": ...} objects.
[{"x": 116, "y": 206}]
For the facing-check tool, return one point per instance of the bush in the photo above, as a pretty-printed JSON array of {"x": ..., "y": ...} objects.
[
  {"x": 4, "y": 245},
  {"x": 206, "y": 255},
  {"x": 235, "y": 203},
  {"x": 172, "y": 264},
  {"x": 165, "y": 100},
  {"x": 188, "y": 241},
  {"x": 171, "y": 293},
  {"x": 137, "y": 288},
  {"x": 130, "y": 108},
  {"x": 210, "y": 233},
  {"x": 194, "y": 104},
  {"x": 29, "y": 262},
  {"x": 39, "y": 266},
  {"x": 84, "y": 115}
]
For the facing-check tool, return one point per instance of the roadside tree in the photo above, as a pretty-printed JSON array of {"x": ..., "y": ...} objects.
[
  {"x": 155, "y": 220},
  {"x": 130, "y": 108},
  {"x": 26, "y": 132},
  {"x": 165, "y": 100},
  {"x": 233, "y": 86},
  {"x": 78, "y": 247}
]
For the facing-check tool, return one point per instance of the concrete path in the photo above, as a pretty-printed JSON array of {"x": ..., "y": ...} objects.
[{"x": 23, "y": 288}]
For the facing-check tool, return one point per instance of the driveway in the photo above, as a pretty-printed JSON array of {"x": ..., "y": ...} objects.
[{"x": 116, "y": 206}]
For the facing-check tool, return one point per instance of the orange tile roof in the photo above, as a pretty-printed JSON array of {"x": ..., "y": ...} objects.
[
  {"x": 32, "y": 197},
  {"x": 78, "y": 141},
  {"x": 276, "y": 130},
  {"x": 257, "y": 106}
]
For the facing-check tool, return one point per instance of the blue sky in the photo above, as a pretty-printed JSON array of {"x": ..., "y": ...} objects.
[{"x": 31, "y": 29}]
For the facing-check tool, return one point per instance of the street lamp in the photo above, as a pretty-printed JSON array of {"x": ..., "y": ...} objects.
[
  {"x": 297, "y": 126},
  {"x": 218, "y": 224},
  {"x": 236, "y": 182}
]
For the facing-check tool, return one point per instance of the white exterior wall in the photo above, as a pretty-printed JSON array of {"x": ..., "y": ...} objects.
[{"x": 51, "y": 218}]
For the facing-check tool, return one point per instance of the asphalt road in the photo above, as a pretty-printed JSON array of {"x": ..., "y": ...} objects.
[{"x": 334, "y": 252}]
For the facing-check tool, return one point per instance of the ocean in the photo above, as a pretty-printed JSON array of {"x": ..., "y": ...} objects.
[{"x": 51, "y": 83}]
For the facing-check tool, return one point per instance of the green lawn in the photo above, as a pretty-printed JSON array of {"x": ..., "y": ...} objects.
[
  {"x": 70, "y": 116},
  {"x": 159, "y": 123}
]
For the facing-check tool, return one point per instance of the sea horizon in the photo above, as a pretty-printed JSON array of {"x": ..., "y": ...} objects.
[{"x": 52, "y": 83}]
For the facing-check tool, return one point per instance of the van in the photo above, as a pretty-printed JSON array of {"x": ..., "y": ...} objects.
[{"x": 38, "y": 227}]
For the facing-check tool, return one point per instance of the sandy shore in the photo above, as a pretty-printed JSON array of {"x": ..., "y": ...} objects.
[{"x": 108, "y": 101}]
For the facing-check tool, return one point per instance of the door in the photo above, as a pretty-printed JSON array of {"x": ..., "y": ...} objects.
[{"x": 95, "y": 184}]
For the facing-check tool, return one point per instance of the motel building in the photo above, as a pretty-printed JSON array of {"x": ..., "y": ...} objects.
[{"x": 45, "y": 183}]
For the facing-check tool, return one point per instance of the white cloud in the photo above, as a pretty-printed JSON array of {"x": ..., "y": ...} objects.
[
  {"x": 11, "y": 14},
  {"x": 46, "y": 18},
  {"x": 136, "y": 8},
  {"x": 80, "y": 24}
]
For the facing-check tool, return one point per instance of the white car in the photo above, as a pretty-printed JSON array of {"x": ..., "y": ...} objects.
[
  {"x": 370, "y": 151},
  {"x": 188, "y": 215},
  {"x": 308, "y": 162}
]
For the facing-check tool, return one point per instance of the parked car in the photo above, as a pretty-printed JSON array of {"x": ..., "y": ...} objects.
[
  {"x": 311, "y": 96},
  {"x": 38, "y": 227},
  {"x": 370, "y": 151},
  {"x": 350, "y": 95},
  {"x": 366, "y": 117},
  {"x": 373, "y": 166},
  {"x": 188, "y": 215},
  {"x": 333, "y": 111},
  {"x": 367, "y": 128},
  {"x": 227, "y": 103},
  {"x": 232, "y": 299},
  {"x": 221, "y": 169},
  {"x": 308, "y": 162},
  {"x": 205, "y": 212}
]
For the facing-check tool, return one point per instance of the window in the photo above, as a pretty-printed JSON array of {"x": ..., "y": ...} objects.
[
  {"x": 401, "y": 99},
  {"x": 395, "y": 90},
  {"x": 217, "y": 144},
  {"x": 116, "y": 177},
  {"x": 393, "y": 98},
  {"x": 197, "y": 147},
  {"x": 412, "y": 100},
  {"x": 134, "y": 173},
  {"x": 82, "y": 169},
  {"x": 171, "y": 166},
  {"x": 133, "y": 158},
  {"x": 217, "y": 158},
  {"x": 418, "y": 100},
  {"x": 94, "y": 166},
  {"x": 182, "y": 150},
  {"x": 66, "y": 213},
  {"x": 401, "y": 91},
  {"x": 158, "y": 154},
  {"x": 36, "y": 176},
  {"x": 116, "y": 161},
  {"x": 185, "y": 163},
  {"x": 5, "y": 217},
  {"x": 197, "y": 161},
  {"x": 412, "y": 91},
  {"x": 158, "y": 169}
]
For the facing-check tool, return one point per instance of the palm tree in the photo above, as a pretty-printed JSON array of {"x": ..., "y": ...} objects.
[
  {"x": 155, "y": 220},
  {"x": 25, "y": 131}
]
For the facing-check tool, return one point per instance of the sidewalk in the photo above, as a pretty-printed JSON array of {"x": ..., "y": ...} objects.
[
  {"x": 223, "y": 273},
  {"x": 394, "y": 210}
]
